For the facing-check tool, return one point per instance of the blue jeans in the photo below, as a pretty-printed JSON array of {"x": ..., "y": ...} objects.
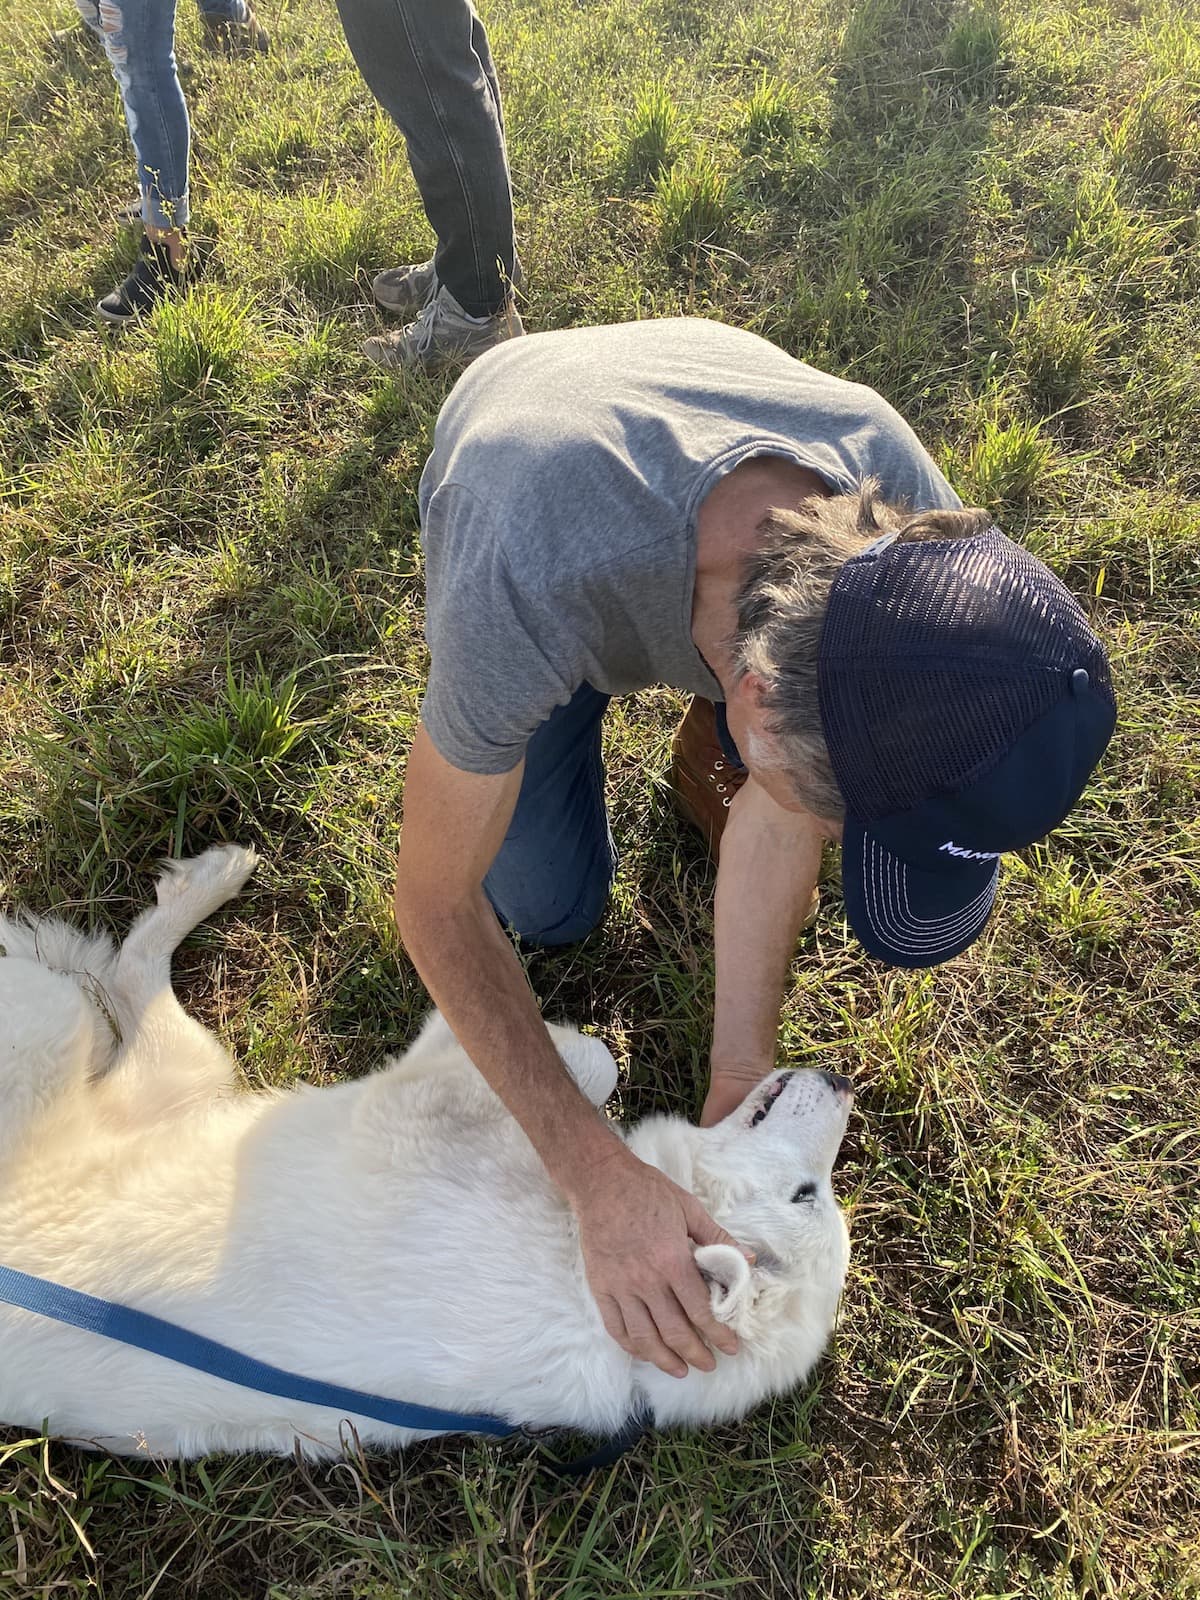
[
  {"x": 429, "y": 65},
  {"x": 551, "y": 878},
  {"x": 139, "y": 41}
]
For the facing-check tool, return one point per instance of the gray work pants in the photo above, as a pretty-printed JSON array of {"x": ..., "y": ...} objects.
[{"x": 428, "y": 64}]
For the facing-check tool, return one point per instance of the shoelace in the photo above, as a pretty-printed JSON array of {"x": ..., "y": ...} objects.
[{"x": 426, "y": 322}]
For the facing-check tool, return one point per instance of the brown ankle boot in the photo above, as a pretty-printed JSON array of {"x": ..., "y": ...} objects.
[{"x": 703, "y": 781}]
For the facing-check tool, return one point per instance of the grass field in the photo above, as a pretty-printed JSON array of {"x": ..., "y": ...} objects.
[{"x": 210, "y": 607}]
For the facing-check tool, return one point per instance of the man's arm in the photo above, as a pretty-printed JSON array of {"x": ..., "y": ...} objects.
[
  {"x": 770, "y": 859},
  {"x": 635, "y": 1224}
]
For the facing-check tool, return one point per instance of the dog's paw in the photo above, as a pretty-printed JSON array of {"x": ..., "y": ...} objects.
[
  {"x": 588, "y": 1060},
  {"x": 208, "y": 880}
]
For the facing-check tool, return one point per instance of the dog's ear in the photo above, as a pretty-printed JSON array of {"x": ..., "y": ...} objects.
[{"x": 727, "y": 1273}]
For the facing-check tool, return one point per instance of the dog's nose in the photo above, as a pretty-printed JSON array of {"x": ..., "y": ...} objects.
[{"x": 838, "y": 1084}]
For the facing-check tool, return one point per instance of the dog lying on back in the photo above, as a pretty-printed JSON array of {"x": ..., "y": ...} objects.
[{"x": 396, "y": 1235}]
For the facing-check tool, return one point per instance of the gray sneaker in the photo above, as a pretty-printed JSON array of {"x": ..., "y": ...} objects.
[
  {"x": 405, "y": 289},
  {"x": 442, "y": 336}
]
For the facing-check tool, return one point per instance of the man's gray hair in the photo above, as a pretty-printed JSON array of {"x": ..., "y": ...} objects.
[{"x": 781, "y": 610}]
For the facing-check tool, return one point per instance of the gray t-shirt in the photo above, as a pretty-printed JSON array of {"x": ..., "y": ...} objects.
[{"x": 558, "y": 510}]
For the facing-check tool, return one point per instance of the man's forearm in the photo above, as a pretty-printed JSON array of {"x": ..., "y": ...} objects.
[
  {"x": 474, "y": 977},
  {"x": 770, "y": 860}
]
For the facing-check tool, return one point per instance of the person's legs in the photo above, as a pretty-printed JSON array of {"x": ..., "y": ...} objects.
[
  {"x": 428, "y": 64},
  {"x": 551, "y": 878},
  {"x": 139, "y": 40}
]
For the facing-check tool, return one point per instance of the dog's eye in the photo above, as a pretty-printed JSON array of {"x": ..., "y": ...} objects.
[{"x": 806, "y": 1191}]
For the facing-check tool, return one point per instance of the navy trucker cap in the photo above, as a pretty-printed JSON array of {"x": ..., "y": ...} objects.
[{"x": 965, "y": 702}]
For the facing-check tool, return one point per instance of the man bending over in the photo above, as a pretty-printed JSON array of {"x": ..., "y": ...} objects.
[{"x": 679, "y": 502}]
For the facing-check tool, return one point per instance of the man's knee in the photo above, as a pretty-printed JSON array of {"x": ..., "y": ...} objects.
[
  {"x": 571, "y": 930},
  {"x": 553, "y": 923}
]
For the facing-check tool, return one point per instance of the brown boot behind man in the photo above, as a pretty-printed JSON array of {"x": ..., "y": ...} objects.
[{"x": 703, "y": 780}]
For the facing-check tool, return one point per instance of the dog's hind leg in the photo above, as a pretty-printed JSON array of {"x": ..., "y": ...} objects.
[
  {"x": 188, "y": 891},
  {"x": 167, "y": 1059}
]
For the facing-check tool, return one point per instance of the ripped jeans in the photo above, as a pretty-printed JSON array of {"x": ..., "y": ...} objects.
[{"x": 139, "y": 41}]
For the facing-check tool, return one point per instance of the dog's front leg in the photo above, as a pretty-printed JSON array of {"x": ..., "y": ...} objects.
[{"x": 588, "y": 1060}]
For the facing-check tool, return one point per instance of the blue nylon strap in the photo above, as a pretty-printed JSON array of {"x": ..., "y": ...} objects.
[{"x": 166, "y": 1339}]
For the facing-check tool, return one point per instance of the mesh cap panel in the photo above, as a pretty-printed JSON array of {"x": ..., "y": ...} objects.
[{"x": 934, "y": 658}]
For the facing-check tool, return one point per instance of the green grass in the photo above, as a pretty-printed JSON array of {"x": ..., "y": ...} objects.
[
  {"x": 693, "y": 205},
  {"x": 210, "y": 627},
  {"x": 651, "y": 139}
]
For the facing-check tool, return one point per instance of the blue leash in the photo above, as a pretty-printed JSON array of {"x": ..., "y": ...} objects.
[
  {"x": 161, "y": 1338},
  {"x": 167, "y": 1339}
]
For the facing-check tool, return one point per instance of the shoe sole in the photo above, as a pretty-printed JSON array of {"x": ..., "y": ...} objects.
[
  {"x": 117, "y": 319},
  {"x": 446, "y": 362}
]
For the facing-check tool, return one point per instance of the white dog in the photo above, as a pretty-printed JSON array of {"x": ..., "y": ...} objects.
[{"x": 395, "y": 1235}]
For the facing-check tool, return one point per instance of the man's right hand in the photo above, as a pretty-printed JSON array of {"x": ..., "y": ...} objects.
[{"x": 638, "y": 1231}]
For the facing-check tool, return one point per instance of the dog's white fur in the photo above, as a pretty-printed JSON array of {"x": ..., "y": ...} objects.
[{"x": 396, "y": 1234}]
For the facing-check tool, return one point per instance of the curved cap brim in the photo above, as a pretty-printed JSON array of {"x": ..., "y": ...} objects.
[{"x": 909, "y": 916}]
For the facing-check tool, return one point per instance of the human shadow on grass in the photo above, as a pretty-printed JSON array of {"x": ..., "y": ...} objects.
[{"x": 880, "y": 286}]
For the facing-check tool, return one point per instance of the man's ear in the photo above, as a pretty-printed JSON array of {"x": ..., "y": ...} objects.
[
  {"x": 756, "y": 688},
  {"x": 749, "y": 688},
  {"x": 727, "y": 1273}
]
